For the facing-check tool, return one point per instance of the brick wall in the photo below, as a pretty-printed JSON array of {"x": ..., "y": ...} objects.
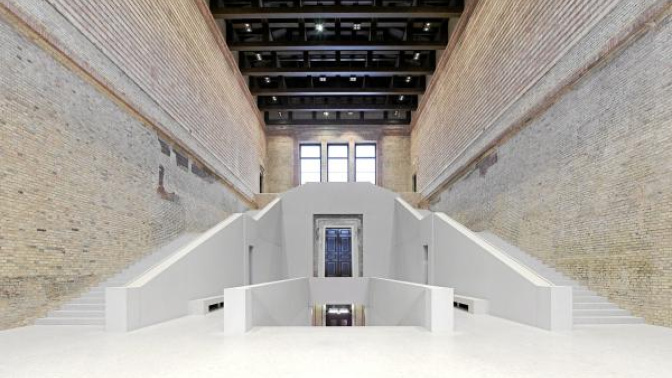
[
  {"x": 167, "y": 61},
  {"x": 393, "y": 151},
  {"x": 585, "y": 185},
  {"x": 505, "y": 48},
  {"x": 78, "y": 185}
]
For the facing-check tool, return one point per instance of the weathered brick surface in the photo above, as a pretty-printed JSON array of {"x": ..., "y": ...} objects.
[
  {"x": 395, "y": 156},
  {"x": 163, "y": 59},
  {"x": 279, "y": 173},
  {"x": 586, "y": 185},
  {"x": 282, "y": 167},
  {"x": 504, "y": 50},
  {"x": 78, "y": 185}
]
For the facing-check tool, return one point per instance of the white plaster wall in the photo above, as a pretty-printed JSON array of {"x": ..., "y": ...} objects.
[
  {"x": 474, "y": 268},
  {"x": 281, "y": 303},
  {"x": 411, "y": 232},
  {"x": 264, "y": 232},
  {"x": 339, "y": 290},
  {"x": 374, "y": 203},
  {"x": 278, "y": 303},
  {"x": 397, "y": 303},
  {"x": 201, "y": 269},
  {"x": 216, "y": 260},
  {"x": 288, "y": 303}
]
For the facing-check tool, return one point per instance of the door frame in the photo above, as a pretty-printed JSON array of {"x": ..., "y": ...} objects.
[{"x": 342, "y": 224}]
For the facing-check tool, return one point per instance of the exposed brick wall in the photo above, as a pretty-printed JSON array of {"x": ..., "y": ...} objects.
[
  {"x": 279, "y": 173},
  {"x": 78, "y": 185},
  {"x": 282, "y": 167},
  {"x": 167, "y": 60},
  {"x": 586, "y": 185},
  {"x": 395, "y": 156},
  {"x": 506, "y": 47}
]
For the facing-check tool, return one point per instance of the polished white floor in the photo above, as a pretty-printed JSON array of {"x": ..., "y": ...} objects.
[{"x": 482, "y": 346}]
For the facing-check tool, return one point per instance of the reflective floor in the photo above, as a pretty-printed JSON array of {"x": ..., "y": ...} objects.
[{"x": 482, "y": 346}]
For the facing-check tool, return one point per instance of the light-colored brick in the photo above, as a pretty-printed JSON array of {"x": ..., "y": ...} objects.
[{"x": 78, "y": 185}]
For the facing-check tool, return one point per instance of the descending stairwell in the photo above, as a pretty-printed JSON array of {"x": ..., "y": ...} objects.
[
  {"x": 588, "y": 306},
  {"x": 89, "y": 309}
]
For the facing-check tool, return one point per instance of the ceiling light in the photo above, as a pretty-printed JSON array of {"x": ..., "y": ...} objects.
[
  {"x": 319, "y": 28},
  {"x": 353, "y": 78},
  {"x": 258, "y": 56},
  {"x": 356, "y": 26},
  {"x": 274, "y": 99},
  {"x": 426, "y": 27},
  {"x": 416, "y": 56},
  {"x": 323, "y": 78},
  {"x": 350, "y": 113},
  {"x": 401, "y": 98},
  {"x": 326, "y": 114},
  {"x": 248, "y": 28},
  {"x": 408, "y": 79},
  {"x": 267, "y": 79}
]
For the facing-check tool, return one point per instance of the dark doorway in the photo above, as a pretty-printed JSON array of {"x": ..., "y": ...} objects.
[
  {"x": 338, "y": 252},
  {"x": 339, "y": 316}
]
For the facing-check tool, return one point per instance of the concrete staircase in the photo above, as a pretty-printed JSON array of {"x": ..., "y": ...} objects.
[
  {"x": 89, "y": 309},
  {"x": 588, "y": 306}
]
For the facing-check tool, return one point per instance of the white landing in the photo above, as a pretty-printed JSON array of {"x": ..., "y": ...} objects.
[{"x": 194, "y": 346}]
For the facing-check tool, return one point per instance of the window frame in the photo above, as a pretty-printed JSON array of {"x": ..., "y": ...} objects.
[
  {"x": 301, "y": 158},
  {"x": 374, "y": 158},
  {"x": 346, "y": 158}
]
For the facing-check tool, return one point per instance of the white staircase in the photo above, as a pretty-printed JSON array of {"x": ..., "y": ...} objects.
[
  {"x": 588, "y": 306},
  {"x": 89, "y": 309}
]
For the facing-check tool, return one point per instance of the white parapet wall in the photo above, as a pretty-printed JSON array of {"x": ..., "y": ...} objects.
[
  {"x": 200, "y": 269},
  {"x": 466, "y": 262},
  {"x": 279, "y": 303},
  {"x": 398, "y": 303},
  {"x": 433, "y": 248},
  {"x": 242, "y": 249},
  {"x": 387, "y": 303}
]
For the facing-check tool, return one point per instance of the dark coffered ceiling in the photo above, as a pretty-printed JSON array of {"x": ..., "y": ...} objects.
[{"x": 336, "y": 62}]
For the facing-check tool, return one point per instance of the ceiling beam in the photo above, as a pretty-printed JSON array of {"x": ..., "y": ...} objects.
[
  {"x": 336, "y": 45},
  {"x": 322, "y": 12},
  {"x": 338, "y": 122},
  {"x": 336, "y": 91},
  {"x": 338, "y": 108},
  {"x": 344, "y": 71}
]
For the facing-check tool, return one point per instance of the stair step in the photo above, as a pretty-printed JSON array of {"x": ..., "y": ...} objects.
[
  {"x": 83, "y": 300},
  {"x": 70, "y": 321},
  {"x": 600, "y": 312},
  {"x": 100, "y": 296},
  {"x": 589, "y": 299},
  {"x": 608, "y": 320},
  {"x": 594, "y": 306},
  {"x": 583, "y": 292},
  {"x": 76, "y": 314},
  {"x": 83, "y": 307}
]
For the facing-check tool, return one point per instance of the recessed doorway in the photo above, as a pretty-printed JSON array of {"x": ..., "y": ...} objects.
[
  {"x": 338, "y": 246},
  {"x": 338, "y": 252},
  {"x": 339, "y": 316}
]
